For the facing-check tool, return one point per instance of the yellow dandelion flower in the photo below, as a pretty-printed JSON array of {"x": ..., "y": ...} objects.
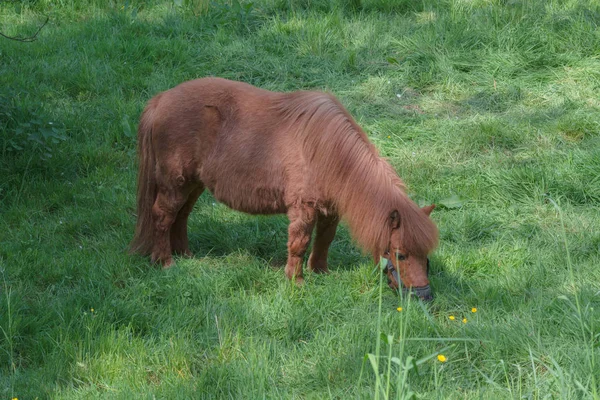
[
  {"x": 452, "y": 318},
  {"x": 442, "y": 358},
  {"x": 91, "y": 309},
  {"x": 464, "y": 320},
  {"x": 473, "y": 310},
  {"x": 389, "y": 137},
  {"x": 399, "y": 309}
]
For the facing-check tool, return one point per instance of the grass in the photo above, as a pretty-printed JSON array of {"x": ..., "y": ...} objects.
[{"x": 488, "y": 108}]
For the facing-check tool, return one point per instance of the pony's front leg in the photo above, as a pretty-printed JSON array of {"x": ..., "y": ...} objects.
[
  {"x": 326, "y": 227},
  {"x": 302, "y": 220}
]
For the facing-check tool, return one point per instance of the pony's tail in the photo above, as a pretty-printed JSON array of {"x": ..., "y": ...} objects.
[{"x": 146, "y": 188}]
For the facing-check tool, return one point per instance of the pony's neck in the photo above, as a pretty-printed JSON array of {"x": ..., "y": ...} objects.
[
  {"x": 371, "y": 195},
  {"x": 363, "y": 188}
]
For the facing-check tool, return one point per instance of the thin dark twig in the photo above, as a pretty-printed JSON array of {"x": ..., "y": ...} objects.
[{"x": 27, "y": 39}]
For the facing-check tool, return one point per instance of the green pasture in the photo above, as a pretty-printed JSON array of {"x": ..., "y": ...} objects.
[{"x": 488, "y": 108}]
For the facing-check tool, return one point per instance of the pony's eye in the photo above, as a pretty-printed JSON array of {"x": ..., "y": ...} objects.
[{"x": 401, "y": 257}]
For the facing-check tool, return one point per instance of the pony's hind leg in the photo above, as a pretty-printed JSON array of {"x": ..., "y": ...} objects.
[
  {"x": 179, "y": 234},
  {"x": 326, "y": 227},
  {"x": 302, "y": 220},
  {"x": 164, "y": 211}
]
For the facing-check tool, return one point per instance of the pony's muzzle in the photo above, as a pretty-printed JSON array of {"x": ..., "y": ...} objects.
[{"x": 423, "y": 292}]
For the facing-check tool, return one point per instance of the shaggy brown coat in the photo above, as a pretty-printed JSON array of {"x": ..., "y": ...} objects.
[{"x": 264, "y": 152}]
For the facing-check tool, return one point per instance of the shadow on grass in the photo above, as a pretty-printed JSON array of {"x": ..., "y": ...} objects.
[{"x": 264, "y": 237}]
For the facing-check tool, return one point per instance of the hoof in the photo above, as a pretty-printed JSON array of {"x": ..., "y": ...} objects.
[
  {"x": 184, "y": 253},
  {"x": 318, "y": 268},
  {"x": 165, "y": 264},
  {"x": 297, "y": 279}
]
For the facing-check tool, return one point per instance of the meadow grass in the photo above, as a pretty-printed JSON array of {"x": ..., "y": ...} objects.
[{"x": 488, "y": 108}]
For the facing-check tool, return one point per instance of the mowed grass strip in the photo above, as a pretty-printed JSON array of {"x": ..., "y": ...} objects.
[{"x": 489, "y": 109}]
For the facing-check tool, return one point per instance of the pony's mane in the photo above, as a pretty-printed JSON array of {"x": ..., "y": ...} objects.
[{"x": 363, "y": 186}]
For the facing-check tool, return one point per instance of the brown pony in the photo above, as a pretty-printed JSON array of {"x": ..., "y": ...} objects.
[{"x": 265, "y": 152}]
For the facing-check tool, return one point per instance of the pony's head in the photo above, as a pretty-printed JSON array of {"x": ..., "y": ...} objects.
[{"x": 407, "y": 268}]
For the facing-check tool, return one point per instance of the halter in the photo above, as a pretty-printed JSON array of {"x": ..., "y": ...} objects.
[{"x": 422, "y": 291}]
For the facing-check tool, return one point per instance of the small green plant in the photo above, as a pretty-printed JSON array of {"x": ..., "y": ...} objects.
[
  {"x": 234, "y": 13},
  {"x": 129, "y": 9},
  {"x": 27, "y": 130},
  {"x": 198, "y": 7}
]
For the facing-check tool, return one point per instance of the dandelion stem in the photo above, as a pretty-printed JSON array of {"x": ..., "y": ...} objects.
[{"x": 378, "y": 339}]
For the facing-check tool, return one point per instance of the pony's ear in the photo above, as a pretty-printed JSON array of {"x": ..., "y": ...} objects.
[
  {"x": 428, "y": 209},
  {"x": 395, "y": 219}
]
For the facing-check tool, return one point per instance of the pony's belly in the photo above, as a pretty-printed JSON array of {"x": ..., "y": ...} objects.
[
  {"x": 259, "y": 200},
  {"x": 246, "y": 182}
]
